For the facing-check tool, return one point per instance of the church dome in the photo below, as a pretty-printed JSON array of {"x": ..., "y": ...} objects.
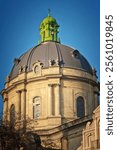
[
  {"x": 53, "y": 89},
  {"x": 50, "y": 54}
]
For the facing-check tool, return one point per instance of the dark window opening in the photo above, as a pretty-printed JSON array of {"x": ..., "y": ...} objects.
[{"x": 80, "y": 107}]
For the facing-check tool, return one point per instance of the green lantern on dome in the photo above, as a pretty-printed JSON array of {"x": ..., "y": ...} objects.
[{"x": 49, "y": 29}]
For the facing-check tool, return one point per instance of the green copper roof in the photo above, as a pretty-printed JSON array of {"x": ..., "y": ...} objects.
[
  {"x": 47, "y": 20},
  {"x": 49, "y": 29}
]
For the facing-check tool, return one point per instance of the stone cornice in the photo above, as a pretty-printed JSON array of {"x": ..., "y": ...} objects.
[
  {"x": 44, "y": 77},
  {"x": 15, "y": 84},
  {"x": 66, "y": 126},
  {"x": 65, "y": 77},
  {"x": 83, "y": 79}
]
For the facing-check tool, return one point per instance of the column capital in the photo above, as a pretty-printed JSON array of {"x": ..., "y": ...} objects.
[
  {"x": 4, "y": 95},
  {"x": 18, "y": 91},
  {"x": 57, "y": 84},
  {"x": 5, "y": 99},
  {"x": 50, "y": 85},
  {"x": 24, "y": 90},
  {"x": 97, "y": 92}
]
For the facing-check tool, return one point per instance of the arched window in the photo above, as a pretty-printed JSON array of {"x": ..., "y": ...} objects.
[
  {"x": 80, "y": 107},
  {"x": 36, "y": 107},
  {"x": 12, "y": 114}
]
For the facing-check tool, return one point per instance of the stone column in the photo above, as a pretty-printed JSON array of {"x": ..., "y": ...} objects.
[
  {"x": 86, "y": 106},
  {"x": 6, "y": 110},
  {"x": 4, "y": 107},
  {"x": 23, "y": 104},
  {"x": 7, "y": 105},
  {"x": 96, "y": 130},
  {"x": 57, "y": 100},
  {"x": 96, "y": 99},
  {"x": 84, "y": 140},
  {"x": 19, "y": 104},
  {"x": 50, "y": 100}
]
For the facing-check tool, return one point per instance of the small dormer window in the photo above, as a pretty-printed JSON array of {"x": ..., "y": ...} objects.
[
  {"x": 36, "y": 69},
  {"x": 16, "y": 61},
  {"x": 52, "y": 62},
  {"x": 76, "y": 53}
]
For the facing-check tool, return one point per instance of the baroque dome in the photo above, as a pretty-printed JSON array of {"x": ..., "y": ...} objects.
[
  {"x": 54, "y": 87},
  {"x": 50, "y": 54}
]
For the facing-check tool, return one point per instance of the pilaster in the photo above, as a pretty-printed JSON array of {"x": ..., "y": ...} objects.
[
  {"x": 19, "y": 104},
  {"x": 57, "y": 100},
  {"x": 23, "y": 103},
  {"x": 50, "y": 100}
]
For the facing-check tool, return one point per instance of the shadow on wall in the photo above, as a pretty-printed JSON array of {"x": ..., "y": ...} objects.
[
  {"x": 14, "y": 136},
  {"x": 33, "y": 143}
]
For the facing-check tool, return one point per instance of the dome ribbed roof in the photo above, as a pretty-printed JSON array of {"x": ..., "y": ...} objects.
[
  {"x": 48, "y": 20},
  {"x": 51, "y": 51}
]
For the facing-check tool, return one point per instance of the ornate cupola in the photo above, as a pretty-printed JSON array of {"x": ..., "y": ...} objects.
[{"x": 49, "y": 29}]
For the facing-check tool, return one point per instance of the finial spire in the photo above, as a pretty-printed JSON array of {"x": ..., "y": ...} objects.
[{"x": 49, "y": 12}]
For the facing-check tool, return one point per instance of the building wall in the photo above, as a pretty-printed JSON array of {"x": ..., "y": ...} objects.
[
  {"x": 58, "y": 90},
  {"x": 91, "y": 133}
]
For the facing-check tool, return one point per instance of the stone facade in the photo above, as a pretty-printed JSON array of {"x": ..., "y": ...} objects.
[
  {"x": 54, "y": 86},
  {"x": 58, "y": 90},
  {"x": 91, "y": 134}
]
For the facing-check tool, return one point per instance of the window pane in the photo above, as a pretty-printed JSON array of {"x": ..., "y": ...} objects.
[
  {"x": 80, "y": 107},
  {"x": 36, "y": 107}
]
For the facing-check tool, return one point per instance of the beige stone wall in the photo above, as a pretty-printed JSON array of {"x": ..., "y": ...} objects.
[
  {"x": 74, "y": 89},
  {"x": 58, "y": 89}
]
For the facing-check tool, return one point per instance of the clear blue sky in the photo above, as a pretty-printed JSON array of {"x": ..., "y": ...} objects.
[{"x": 79, "y": 22}]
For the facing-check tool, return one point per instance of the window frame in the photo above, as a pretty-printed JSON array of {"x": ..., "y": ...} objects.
[
  {"x": 81, "y": 107},
  {"x": 36, "y": 107}
]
